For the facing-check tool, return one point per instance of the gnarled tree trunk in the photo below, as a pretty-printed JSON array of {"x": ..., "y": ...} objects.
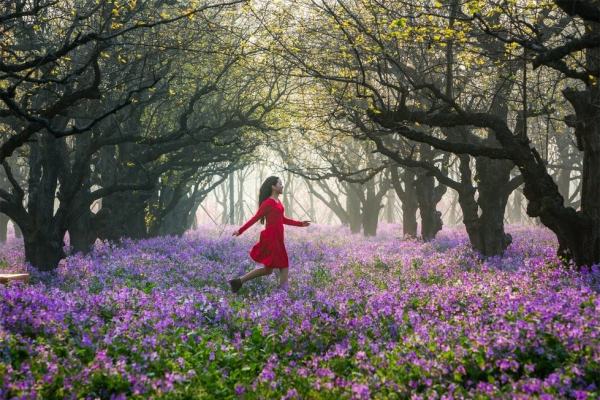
[
  {"x": 353, "y": 207},
  {"x": 44, "y": 246},
  {"x": 3, "y": 227},
  {"x": 428, "y": 196},
  {"x": 582, "y": 242},
  {"x": 486, "y": 228},
  {"x": 82, "y": 232},
  {"x": 408, "y": 198},
  {"x": 122, "y": 215}
]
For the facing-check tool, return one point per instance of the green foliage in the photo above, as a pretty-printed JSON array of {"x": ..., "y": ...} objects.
[{"x": 321, "y": 276}]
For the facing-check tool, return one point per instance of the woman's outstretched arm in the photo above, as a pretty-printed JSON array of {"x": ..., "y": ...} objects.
[
  {"x": 262, "y": 211},
  {"x": 289, "y": 221}
]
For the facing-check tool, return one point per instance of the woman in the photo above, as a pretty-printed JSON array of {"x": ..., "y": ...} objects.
[{"x": 270, "y": 250}]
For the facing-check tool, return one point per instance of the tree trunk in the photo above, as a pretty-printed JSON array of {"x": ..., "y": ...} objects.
[
  {"x": 590, "y": 137},
  {"x": 408, "y": 199},
  {"x": 44, "y": 246},
  {"x": 369, "y": 210},
  {"x": 180, "y": 219},
  {"x": 288, "y": 204},
  {"x": 174, "y": 224},
  {"x": 222, "y": 201},
  {"x": 122, "y": 215},
  {"x": 231, "y": 199},
  {"x": 43, "y": 234},
  {"x": 370, "y": 219},
  {"x": 589, "y": 249},
  {"x": 409, "y": 218},
  {"x": 493, "y": 177},
  {"x": 311, "y": 202},
  {"x": 81, "y": 222},
  {"x": 240, "y": 198},
  {"x": 431, "y": 218},
  {"x": 486, "y": 228},
  {"x": 82, "y": 233},
  {"x": 428, "y": 196},
  {"x": 581, "y": 241},
  {"x": 410, "y": 203},
  {"x": 353, "y": 208},
  {"x": 484, "y": 217},
  {"x": 389, "y": 207},
  {"x": 3, "y": 227},
  {"x": 371, "y": 204}
]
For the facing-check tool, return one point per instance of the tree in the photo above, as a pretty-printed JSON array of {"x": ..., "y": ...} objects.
[
  {"x": 79, "y": 155},
  {"x": 380, "y": 64},
  {"x": 577, "y": 231}
]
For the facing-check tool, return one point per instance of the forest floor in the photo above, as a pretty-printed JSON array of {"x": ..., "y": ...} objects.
[{"x": 363, "y": 318}]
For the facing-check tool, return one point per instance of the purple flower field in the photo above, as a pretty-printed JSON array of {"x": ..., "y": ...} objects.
[{"x": 364, "y": 318}]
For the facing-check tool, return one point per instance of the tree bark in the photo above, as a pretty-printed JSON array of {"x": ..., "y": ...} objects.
[
  {"x": 241, "y": 181},
  {"x": 428, "y": 196},
  {"x": 179, "y": 220},
  {"x": 82, "y": 233},
  {"x": 222, "y": 201},
  {"x": 370, "y": 218},
  {"x": 409, "y": 217},
  {"x": 43, "y": 233},
  {"x": 408, "y": 198},
  {"x": 3, "y": 227},
  {"x": 311, "y": 202},
  {"x": 371, "y": 199},
  {"x": 122, "y": 215},
  {"x": 81, "y": 223},
  {"x": 581, "y": 242},
  {"x": 231, "y": 199},
  {"x": 431, "y": 218},
  {"x": 488, "y": 236},
  {"x": 353, "y": 207},
  {"x": 43, "y": 248},
  {"x": 389, "y": 207}
]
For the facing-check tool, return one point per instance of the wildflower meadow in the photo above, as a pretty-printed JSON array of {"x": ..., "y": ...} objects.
[{"x": 363, "y": 318}]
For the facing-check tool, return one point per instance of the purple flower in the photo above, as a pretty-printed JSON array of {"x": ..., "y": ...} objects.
[
  {"x": 239, "y": 389},
  {"x": 437, "y": 308},
  {"x": 360, "y": 391},
  {"x": 291, "y": 394}
]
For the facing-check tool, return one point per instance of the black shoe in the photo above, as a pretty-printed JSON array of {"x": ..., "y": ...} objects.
[{"x": 236, "y": 284}]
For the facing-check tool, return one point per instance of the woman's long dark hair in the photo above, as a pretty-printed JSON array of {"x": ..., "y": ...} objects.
[{"x": 265, "y": 191}]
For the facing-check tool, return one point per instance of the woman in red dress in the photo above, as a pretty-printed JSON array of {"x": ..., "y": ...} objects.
[{"x": 270, "y": 250}]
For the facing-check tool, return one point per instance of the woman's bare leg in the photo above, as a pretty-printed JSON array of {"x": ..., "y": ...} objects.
[
  {"x": 255, "y": 273},
  {"x": 283, "y": 278}
]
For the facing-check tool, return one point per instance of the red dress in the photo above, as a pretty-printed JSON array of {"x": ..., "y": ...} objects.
[{"x": 270, "y": 250}]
